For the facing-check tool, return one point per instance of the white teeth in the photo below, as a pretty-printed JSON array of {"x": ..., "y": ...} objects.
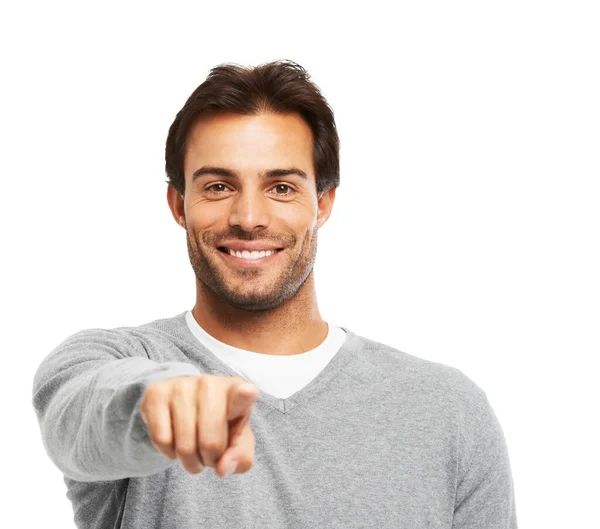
[{"x": 251, "y": 255}]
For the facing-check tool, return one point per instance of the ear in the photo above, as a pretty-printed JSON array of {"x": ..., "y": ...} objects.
[
  {"x": 176, "y": 205},
  {"x": 325, "y": 201}
]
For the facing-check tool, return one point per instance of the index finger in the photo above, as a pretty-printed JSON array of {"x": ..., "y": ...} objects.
[{"x": 241, "y": 398}]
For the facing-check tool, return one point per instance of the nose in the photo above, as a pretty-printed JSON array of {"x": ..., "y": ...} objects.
[{"x": 249, "y": 210}]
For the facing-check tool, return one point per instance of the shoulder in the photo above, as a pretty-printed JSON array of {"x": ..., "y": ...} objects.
[
  {"x": 131, "y": 339},
  {"x": 434, "y": 381}
]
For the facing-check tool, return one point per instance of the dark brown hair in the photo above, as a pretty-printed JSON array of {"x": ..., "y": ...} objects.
[{"x": 279, "y": 87}]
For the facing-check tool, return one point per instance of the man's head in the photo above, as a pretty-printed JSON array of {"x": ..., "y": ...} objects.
[{"x": 253, "y": 159}]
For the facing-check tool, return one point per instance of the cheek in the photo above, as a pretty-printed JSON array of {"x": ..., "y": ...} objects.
[{"x": 306, "y": 239}]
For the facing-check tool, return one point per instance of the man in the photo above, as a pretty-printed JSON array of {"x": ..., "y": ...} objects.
[{"x": 334, "y": 429}]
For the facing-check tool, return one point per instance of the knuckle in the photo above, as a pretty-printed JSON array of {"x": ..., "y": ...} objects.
[
  {"x": 167, "y": 452},
  {"x": 191, "y": 468},
  {"x": 164, "y": 448},
  {"x": 152, "y": 396},
  {"x": 211, "y": 444},
  {"x": 185, "y": 449},
  {"x": 182, "y": 385},
  {"x": 160, "y": 440},
  {"x": 203, "y": 380},
  {"x": 156, "y": 390}
]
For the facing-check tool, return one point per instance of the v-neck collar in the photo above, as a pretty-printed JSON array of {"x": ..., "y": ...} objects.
[{"x": 346, "y": 353}]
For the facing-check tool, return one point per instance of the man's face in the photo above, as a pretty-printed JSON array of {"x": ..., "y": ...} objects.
[{"x": 282, "y": 211}]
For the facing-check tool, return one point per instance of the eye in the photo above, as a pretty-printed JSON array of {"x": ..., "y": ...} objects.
[
  {"x": 214, "y": 185},
  {"x": 292, "y": 190}
]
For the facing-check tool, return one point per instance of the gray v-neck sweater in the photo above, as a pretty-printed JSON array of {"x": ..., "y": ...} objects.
[{"x": 379, "y": 438}]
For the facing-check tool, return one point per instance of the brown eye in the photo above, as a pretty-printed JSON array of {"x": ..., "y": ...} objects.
[
  {"x": 214, "y": 185},
  {"x": 292, "y": 190}
]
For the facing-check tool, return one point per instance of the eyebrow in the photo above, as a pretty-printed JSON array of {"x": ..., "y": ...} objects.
[{"x": 272, "y": 173}]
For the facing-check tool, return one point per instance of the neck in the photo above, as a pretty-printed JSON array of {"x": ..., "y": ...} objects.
[{"x": 294, "y": 327}]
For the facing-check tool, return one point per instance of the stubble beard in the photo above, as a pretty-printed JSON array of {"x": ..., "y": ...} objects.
[{"x": 258, "y": 293}]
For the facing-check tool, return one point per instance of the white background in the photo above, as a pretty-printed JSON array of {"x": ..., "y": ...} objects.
[{"x": 465, "y": 229}]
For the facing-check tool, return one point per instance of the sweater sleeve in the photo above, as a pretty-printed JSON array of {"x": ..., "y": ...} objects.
[
  {"x": 87, "y": 394},
  {"x": 485, "y": 492}
]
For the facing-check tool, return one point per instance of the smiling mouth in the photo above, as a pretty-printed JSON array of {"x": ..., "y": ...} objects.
[
  {"x": 248, "y": 261},
  {"x": 225, "y": 250}
]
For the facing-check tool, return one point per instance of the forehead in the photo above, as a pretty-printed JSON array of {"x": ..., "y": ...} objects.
[{"x": 249, "y": 142}]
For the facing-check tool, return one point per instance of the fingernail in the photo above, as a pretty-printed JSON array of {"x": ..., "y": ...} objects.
[{"x": 231, "y": 468}]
